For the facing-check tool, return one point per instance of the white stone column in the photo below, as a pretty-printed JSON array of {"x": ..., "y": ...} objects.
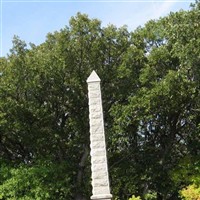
[{"x": 100, "y": 179}]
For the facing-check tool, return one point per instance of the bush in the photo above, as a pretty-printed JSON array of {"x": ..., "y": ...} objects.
[
  {"x": 41, "y": 181},
  {"x": 151, "y": 195},
  {"x": 192, "y": 192},
  {"x": 135, "y": 198}
]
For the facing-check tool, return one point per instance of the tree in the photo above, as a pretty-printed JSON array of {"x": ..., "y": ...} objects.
[
  {"x": 150, "y": 89},
  {"x": 44, "y": 98},
  {"x": 159, "y": 125}
]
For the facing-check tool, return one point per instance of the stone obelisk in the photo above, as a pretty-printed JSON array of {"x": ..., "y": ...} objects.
[{"x": 100, "y": 178}]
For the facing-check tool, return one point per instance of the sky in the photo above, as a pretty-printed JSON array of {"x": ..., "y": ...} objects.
[{"x": 31, "y": 20}]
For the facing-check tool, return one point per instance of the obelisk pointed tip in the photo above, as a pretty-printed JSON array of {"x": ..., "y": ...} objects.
[{"x": 93, "y": 77}]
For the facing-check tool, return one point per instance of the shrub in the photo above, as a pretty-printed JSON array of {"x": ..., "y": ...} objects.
[
  {"x": 151, "y": 195},
  {"x": 41, "y": 182},
  {"x": 135, "y": 198},
  {"x": 191, "y": 192}
]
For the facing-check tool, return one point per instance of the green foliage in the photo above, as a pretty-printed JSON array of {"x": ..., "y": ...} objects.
[
  {"x": 191, "y": 192},
  {"x": 135, "y": 198},
  {"x": 150, "y": 89},
  {"x": 150, "y": 196},
  {"x": 44, "y": 105},
  {"x": 158, "y": 125},
  {"x": 38, "y": 182}
]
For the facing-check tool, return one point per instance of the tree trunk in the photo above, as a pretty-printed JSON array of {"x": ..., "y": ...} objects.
[{"x": 79, "y": 180}]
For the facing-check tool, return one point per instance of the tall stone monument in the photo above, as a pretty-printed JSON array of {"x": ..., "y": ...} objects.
[{"x": 100, "y": 179}]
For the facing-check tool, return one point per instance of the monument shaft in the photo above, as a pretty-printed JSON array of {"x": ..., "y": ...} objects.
[{"x": 100, "y": 178}]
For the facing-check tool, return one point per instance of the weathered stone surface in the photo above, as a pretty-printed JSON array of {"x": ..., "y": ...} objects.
[
  {"x": 95, "y": 108},
  {"x": 100, "y": 191},
  {"x": 96, "y": 115},
  {"x": 97, "y": 152},
  {"x": 95, "y": 122},
  {"x": 93, "y": 94},
  {"x": 94, "y": 102},
  {"x": 102, "y": 167},
  {"x": 97, "y": 145},
  {"x": 101, "y": 175},
  {"x": 100, "y": 180},
  {"x": 93, "y": 78},
  {"x": 101, "y": 159},
  {"x": 99, "y": 137},
  {"x": 104, "y": 197},
  {"x": 97, "y": 129}
]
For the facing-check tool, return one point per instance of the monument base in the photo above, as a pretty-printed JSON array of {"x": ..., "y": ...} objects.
[{"x": 103, "y": 197}]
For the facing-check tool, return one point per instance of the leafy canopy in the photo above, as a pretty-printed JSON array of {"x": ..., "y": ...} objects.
[{"x": 150, "y": 88}]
